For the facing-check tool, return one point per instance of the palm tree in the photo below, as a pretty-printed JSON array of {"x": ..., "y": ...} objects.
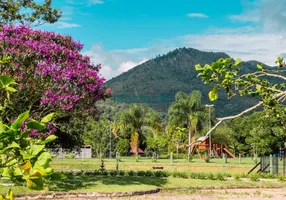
[
  {"x": 132, "y": 120},
  {"x": 187, "y": 111}
]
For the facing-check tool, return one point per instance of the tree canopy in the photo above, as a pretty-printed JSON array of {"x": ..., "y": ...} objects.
[{"x": 27, "y": 12}]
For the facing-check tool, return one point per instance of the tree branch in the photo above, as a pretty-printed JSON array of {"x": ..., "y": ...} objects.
[{"x": 280, "y": 96}]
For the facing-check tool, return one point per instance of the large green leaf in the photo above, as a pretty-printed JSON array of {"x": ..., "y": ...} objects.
[
  {"x": 18, "y": 172},
  {"x": 213, "y": 94},
  {"x": 35, "y": 125},
  {"x": 7, "y": 172},
  {"x": 44, "y": 159},
  {"x": 14, "y": 145},
  {"x": 3, "y": 127},
  {"x": 35, "y": 149},
  {"x": 35, "y": 181},
  {"x": 21, "y": 118},
  {"x": 48, "y": 118},
  {"x": 6, "y": 80},
  {"x": 49, "y": 139}
]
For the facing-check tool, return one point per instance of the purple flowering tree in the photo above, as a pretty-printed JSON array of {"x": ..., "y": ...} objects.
[
  {"x": 51, "y": 70},
  {"x": 52, "y": 73}
]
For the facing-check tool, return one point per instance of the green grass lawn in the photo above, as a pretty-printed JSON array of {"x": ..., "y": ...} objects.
[
  {"x": 196, "y": 165},
  {"x": 89, "y": 183}
]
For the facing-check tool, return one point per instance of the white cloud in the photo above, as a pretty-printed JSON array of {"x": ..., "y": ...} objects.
[
  {"x": 248, "y": 46},
  {"x": 244, "y": 18},
  {"x": 93, "y": 2},
  {"x": 197, "y": 15},
  {"x": 62, "y": 24},
  {"x": 116, "y": 62}
]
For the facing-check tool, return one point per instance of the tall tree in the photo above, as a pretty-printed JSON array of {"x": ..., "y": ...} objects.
[
  {"x": 187, "y": 111},
  {"x": 131, "y": 122}
]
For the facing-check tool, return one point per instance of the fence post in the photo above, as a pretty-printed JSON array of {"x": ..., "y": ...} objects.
[
  {"x": 224, "y": 158},
  {"x": 271, "y": 164},
  {"x": 117, "y": 161},
  {"x": 239, "y": 158},
  {"x": 284, "y": 163},
  {"x": 171, "y": 161}
]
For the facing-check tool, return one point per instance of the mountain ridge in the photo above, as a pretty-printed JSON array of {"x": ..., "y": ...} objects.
[{"x": 162, "y": 77}]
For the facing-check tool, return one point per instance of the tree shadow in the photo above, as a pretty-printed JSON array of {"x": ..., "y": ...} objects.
[{"x": 76, "y": 182}]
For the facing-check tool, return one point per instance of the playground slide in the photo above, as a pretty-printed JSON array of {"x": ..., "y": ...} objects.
[{"x": 229, "y": 153}]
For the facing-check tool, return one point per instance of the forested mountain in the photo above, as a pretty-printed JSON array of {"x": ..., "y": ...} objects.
[{"x": 158, "y": 80}]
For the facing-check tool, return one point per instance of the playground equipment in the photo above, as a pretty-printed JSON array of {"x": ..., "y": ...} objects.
[{"x": 202, "y": 143}]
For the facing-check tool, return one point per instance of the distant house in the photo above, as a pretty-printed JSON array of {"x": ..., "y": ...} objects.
[{"x": 133, "y": 151}]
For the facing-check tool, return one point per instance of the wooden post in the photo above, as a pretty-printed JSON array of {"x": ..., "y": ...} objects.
[{"x": 239, "y": 158}]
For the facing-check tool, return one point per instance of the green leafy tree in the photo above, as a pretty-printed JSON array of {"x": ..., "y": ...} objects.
[
  {"x": 179, "y": 136},
  {"x": 130, "y": 123},
  {"x": 97, "y": 134},
  {"x": 27, "y": 12},
  {"x": 159, "y": 144},
  {"x": 264, "y": 84},
  {"x": 123, "y": 146},
  {"x": 187, "y": 111}
]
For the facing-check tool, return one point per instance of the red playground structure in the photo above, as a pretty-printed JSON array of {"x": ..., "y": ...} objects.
[{"x": 202, "y": 143}]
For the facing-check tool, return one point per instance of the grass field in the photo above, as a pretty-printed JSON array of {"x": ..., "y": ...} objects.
[
  {"x": 196, "y": 165},
  {"x": 88, "y": 183}
]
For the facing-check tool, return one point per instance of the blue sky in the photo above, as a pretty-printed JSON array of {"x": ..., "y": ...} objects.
[{"x": 121, "y": 34}]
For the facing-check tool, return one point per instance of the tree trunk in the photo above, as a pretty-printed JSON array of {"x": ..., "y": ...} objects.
[{"x": 134, "y": 143}]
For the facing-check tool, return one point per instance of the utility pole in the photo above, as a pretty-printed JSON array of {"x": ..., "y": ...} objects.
[
  {"x": 110, "y": 140},
  {"x": 210, "y": 126}
]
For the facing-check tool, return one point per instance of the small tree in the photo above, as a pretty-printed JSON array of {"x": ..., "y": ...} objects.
[{"x": 123, "y": 146}]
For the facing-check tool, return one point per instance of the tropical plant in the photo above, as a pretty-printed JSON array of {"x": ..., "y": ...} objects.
[
  {"x": 23, "y": 157},
  {"x": 187, "y": 111},
  {"x": 130, "y": 122}
]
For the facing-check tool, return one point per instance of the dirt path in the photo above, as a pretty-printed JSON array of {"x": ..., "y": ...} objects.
[{"x": 233, "y": 194}]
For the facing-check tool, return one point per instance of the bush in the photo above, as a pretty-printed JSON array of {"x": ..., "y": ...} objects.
[
  {"x": 180, "y": 175},
  {"x": 112, "y": 173},
  {"x": 211, "y": 176},
  {"x": 207, "y": 159},
  {"x": 121, "y": 173},
  {"x": 140, "y": 173},
  {"x": 220, "y": 177},
  {"x": 69, "y": 156},
  {"x": 254, "y": 177},
  {"x": 281, "y": 178},
  {"x": 130, "y": 173},
  {"x": 149, "y": 173},
  {"x": 237, "y": 177}
]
